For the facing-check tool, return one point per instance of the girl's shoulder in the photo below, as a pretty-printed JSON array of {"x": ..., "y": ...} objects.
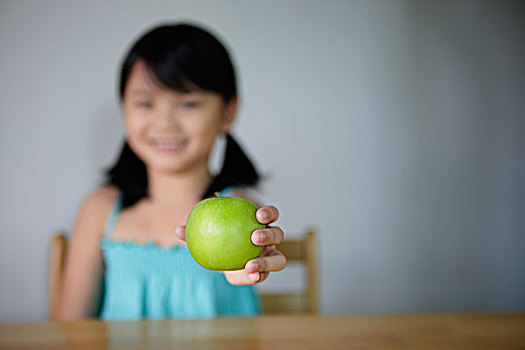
[
  {"x": 103, "y": 197},
  {"x": 97, "y": 207}
]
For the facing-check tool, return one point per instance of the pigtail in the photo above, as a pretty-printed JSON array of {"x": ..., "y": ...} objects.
[
  {"x": 130, "y": 176},
  {"x": 237, "y": 169}
]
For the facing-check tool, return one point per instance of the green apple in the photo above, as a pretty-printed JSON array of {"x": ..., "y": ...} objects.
[{"x": 218, "y": 233}]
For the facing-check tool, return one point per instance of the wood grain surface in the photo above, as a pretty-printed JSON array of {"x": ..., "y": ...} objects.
[{"x": 413, "y": 331}]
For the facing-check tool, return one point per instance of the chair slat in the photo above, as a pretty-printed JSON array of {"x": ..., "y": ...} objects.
[
  {"x": 304, "y": 251},
  {"x": 57, "y": 254},
  {"x": 284, "y": 303},
  {"x": 293, "y": 250}
]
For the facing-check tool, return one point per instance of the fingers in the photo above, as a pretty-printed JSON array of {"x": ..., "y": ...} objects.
[
  {"x": 180, "y": 232},
  {"x": 268, "y": 236},
  {"x": 266, "y": 215},
  {"x": 257, "y": 270},
  {"x": 258, "y": 277},
  {"x": 274, "y": 261},
  {"x": 242, "y": 278}
]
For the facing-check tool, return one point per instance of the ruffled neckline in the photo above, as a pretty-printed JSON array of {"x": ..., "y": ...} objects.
[{"x": 147, "y": 245}]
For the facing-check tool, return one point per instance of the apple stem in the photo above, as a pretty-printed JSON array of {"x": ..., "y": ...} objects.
[{"x": 217, "y": 194}]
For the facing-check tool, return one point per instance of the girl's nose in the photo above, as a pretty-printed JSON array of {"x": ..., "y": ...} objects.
[{"x": 168, "y": 118}]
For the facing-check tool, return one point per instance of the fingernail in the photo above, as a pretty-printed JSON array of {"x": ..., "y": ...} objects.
[
  {"x": 255, "y": 266},
  {"x": 262, "y": 215},
  {"x": 261, "y": 236},
  {"x": 255, "y": 276}
]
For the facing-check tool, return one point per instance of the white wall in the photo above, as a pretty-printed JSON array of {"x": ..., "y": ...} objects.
[{"x": 395, "y": 127}]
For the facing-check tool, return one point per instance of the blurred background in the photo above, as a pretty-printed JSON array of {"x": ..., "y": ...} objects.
[{"x": 395, "y": 128}]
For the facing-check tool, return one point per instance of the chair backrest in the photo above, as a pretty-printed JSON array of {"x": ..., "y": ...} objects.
[
  {"x": 303, "y": 250},
  {"x": 57, "y": 255}
]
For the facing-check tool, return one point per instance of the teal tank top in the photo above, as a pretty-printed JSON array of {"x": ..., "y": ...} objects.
[{"x": 149, "y": 281}]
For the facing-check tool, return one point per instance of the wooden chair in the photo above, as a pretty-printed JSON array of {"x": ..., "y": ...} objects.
[
  {"x": 57, "y": 257},
  {"x": 303, "y": 250}
]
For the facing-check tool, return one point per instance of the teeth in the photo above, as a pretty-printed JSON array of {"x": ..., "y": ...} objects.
[{"x": 168, "y": 144}]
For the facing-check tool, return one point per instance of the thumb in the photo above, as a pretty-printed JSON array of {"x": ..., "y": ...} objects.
[{"x": 180, "y": 232}]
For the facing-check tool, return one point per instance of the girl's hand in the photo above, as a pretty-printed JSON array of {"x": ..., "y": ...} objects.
[{"x": 257, "y": 270}]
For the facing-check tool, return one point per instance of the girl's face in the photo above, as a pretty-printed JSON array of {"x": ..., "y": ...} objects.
[{"x": 171, "y": 131}]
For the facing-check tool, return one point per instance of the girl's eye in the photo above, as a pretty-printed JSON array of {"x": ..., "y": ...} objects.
[
  {"x": 144, "y": 104},
  {"x": 189, "y": 104}
]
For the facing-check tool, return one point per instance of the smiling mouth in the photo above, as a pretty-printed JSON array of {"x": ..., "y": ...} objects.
[{"x": 167, "y": 145}]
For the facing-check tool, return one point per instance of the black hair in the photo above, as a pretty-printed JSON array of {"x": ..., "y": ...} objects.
[{"x": 183, "y": 58}]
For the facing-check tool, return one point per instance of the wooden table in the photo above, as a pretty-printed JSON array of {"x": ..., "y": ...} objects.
[{"x": 418, "y": 331}]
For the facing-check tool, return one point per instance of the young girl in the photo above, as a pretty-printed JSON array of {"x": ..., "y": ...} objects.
[{"x": 127, "y": 257}]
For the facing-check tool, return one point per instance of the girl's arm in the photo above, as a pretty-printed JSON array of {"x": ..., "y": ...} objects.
[{"x": 83, "y": 273}]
